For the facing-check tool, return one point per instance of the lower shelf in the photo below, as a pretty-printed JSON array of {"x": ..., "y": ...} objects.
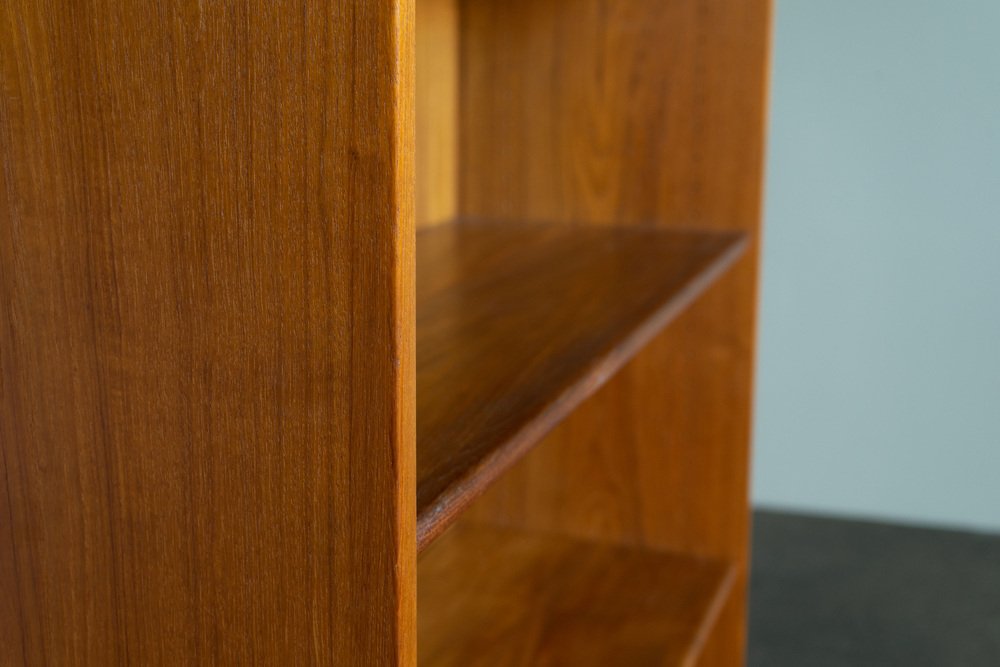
[{"x": 491, "y": 596}]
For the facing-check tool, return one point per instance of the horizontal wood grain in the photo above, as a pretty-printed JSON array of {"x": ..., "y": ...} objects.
[
  {"x": 517, "y": 324},
  {"x": 496, "y": 597}
]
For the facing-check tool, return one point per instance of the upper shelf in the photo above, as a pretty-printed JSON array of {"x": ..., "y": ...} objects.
[{"x": 517, "y": 324}]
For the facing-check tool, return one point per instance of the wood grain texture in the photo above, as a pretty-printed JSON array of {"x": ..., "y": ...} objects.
[
  {"x": 437, "y": 111},
  {"x": 517, "y": 324},
  {"x": 498, "y": 597},
  {"x": 627, "y": 112},
  {"x": 206, "y": 345}
]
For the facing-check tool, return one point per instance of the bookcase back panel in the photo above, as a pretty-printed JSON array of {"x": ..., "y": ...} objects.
[
  {"x": 631, "y": 112},
  {"x": 437, "y": 111}
]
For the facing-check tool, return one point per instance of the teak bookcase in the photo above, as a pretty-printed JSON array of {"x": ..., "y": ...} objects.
[{"x": 333, "y": 331}]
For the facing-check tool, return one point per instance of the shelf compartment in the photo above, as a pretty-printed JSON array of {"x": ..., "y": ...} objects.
[
  {"x": 494, "y": 596},
  {"x": 517, "y": 324}
]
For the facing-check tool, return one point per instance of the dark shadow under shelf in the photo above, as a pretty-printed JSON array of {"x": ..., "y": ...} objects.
[{"x": 517, "y": 324}]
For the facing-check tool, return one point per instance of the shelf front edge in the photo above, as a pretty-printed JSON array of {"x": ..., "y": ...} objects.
[{"x": 434, "y": 517}]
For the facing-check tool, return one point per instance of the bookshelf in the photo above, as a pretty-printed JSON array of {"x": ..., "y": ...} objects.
[
  {"x": 613, "y": 417},
  {"x": 378, "y": 333}
]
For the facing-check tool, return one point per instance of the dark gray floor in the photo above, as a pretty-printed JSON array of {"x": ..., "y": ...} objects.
[{"x": 832, "y": 592}]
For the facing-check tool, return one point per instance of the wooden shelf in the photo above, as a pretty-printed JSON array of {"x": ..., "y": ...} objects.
[
  {"x": 492, "y": 596},
  {"x": 517, "y": 324}
]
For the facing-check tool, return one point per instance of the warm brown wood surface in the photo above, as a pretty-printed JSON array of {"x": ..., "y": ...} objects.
[
  {"x": 206, "y": 333},
  {"x": 493, "y": 597},
  {"x": 631, "y": 111},
  {"x": 517, "y": 324},
  {"x": 437, "y": 111}
]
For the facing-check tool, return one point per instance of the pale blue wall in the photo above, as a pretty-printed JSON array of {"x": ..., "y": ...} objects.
[{"x": 879, "y": 365}]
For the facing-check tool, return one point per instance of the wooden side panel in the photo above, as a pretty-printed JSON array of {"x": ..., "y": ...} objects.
[
  {"x": 632, "y": 112},
  {"x": 437, "y": 111},
  {"x": 206, "y": 343}
]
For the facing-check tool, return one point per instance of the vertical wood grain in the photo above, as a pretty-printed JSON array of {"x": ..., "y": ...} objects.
[
  {"x": 437, "y": 111},
  {"x": 206, "y": 344},
  {"x": 632, "y": 112}
]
